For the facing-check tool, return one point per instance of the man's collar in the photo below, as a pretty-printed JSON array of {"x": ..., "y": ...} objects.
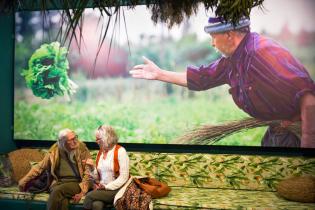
[{"x": 240, "y": 47}]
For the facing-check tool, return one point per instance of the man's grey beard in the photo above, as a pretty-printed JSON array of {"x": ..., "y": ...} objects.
[{"x": 70, "y": 154}]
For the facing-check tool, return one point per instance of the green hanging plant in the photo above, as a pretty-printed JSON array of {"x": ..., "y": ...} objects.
[
  {"x": 47, "y": 74},
  {"x": 169, "y": 12}
]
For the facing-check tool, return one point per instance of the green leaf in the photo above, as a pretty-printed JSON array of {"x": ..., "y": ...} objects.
[{"x": 47, "y": 74}]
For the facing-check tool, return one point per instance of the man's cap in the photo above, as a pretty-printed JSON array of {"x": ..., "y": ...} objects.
[{"x": 218, "y": 25}]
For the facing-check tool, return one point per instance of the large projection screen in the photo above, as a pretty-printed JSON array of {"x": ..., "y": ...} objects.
[{"x": 141, "y": 111}]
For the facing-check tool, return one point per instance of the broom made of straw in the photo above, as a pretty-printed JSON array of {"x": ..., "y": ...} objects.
[{"x": 210, "y": 134}]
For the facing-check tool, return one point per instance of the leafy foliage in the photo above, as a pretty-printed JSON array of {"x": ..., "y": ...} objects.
[
  {"x": 174, "y": 12},
  {"x": 169, "y": 12},
  {"x": 47, "y": 72}
]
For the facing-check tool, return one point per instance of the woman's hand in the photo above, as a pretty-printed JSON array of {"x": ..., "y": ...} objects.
[
  {"x": 77, "y": 197},
  {"x": 98, "y": 186},
  {"x": 148, "y": 70}
]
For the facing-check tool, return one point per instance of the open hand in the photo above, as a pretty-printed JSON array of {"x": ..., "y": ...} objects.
[{"x": 148, "y": 70}]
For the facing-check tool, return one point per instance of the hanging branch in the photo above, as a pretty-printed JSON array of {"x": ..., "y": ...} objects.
[{"x": 169, "y": 12}]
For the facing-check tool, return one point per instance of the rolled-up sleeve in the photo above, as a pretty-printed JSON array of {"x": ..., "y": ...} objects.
[{"x": 206, "y": 77}]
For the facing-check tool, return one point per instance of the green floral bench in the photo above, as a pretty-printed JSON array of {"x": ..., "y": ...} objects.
[{"x": 211, "y": 181}]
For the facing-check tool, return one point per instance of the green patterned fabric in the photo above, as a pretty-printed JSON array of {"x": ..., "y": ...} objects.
[
  {"x": 250, "y": 172},
  {"x": 13, "y": 193},
  {"x": 144, "y": 164},
  {"x": 211, "y": 181},
  {"x": 203, "y": 198},
  {"x": 220, "y": 171},
  {"x": 196, "y": 198}
]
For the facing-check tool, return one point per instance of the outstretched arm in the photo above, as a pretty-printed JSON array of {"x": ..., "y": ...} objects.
[
  {"x": 308, "y": 120},
  {"x": 149, "y": 70}
]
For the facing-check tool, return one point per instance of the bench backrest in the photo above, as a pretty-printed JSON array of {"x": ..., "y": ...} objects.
[{"x": 250, "y": 172}]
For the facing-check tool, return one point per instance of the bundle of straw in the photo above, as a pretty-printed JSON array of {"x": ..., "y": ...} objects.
[{"x": 210, "y": 134}]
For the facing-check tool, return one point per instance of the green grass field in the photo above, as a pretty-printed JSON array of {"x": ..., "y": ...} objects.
[{"x": 146, "y": 117}]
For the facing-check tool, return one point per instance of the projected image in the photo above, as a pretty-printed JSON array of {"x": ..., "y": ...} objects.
[{"x": 85, "y": 83}]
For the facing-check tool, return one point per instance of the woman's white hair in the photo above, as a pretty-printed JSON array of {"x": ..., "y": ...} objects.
[
  {"x": 107, "y": 136},
  {"x": 62, "y": 139}
]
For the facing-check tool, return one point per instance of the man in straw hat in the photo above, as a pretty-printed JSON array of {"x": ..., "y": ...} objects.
[
  {"x": 266, "y": 81},
  {"x": 67, "y": 163}
]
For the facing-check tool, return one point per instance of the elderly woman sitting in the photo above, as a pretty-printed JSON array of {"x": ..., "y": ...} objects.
[
  {"x": 66, "y": 161},
  {"x": 111, "y": 172}
]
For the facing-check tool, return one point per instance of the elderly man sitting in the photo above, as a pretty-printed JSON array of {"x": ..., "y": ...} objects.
[{"x": 66, "y": 160}]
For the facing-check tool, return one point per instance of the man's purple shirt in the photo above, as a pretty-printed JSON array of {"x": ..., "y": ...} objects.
[{"x": 266, "y": 81}]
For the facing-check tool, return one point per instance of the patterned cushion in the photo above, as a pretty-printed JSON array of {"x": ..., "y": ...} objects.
[
  {"x": 195, "y": 198},
  {"x": 211, "y": 181},
  {"x": 21, "y": 161},
  {"x": 203, "y": 198},
  {"x": 5, "y": 171},
  {"x": 14, "y": 193},
  {"x": 250, "y": 172}
]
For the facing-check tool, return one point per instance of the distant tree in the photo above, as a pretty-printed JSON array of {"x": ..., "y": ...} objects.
[{"x": 306, "y": 38}]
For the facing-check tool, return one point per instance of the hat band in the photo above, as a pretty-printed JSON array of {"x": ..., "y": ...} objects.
[{"x": 223, "y": 27}]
